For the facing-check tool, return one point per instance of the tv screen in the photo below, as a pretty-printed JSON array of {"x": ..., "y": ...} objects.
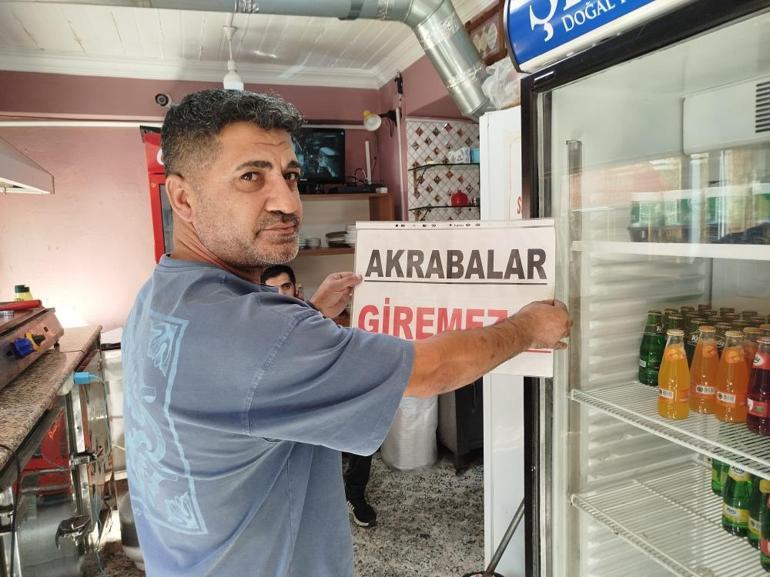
[{"x": 321, "y": 153}]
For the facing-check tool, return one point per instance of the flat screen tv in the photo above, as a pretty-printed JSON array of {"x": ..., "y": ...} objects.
[{"x": 321, "y": 153}]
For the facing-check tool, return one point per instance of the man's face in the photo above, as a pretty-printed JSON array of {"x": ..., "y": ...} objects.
[
  {"x": 246, "y": 204},
  {"x": 283, "y": 283}
]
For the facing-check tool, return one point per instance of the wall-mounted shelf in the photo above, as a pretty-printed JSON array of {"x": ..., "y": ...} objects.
[
  {"x": 335, "y": 196},
  {"x": 326, "y": 251},
  {"x": 442, "y": 164},
  {"x": 442, "y": 206}
]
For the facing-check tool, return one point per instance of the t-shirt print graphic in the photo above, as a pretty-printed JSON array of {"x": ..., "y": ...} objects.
[{"x": 162, "y": 488}]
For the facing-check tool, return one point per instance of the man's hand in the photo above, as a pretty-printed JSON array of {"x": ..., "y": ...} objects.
[
  {"x": 543, "y": 324},
  {"x": 335, "y": 292}
]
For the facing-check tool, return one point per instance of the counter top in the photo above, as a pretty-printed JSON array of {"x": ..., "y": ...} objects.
[{"x": 24, "y": 401}]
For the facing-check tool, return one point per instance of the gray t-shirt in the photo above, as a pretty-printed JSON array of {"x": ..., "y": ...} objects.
[{"x": 238, "y": 402}]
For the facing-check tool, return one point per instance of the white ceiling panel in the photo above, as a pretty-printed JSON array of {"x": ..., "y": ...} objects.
[{"x": 184, "y": 44}]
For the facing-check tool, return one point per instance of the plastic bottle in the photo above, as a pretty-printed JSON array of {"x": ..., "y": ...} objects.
[
  {"x": 732, "y": 381},
  {"x": 736, "y": 495},
  {"x": 703, "y": 374},
  {"x": 758, "y": 402},
  {"x": 674, "y": 379}
]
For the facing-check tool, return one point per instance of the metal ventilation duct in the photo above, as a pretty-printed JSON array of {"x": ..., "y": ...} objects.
[{"x": 435, "y": 22}]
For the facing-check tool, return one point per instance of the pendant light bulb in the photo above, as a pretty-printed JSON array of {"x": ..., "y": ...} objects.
[{"x": 232, "y": 80}]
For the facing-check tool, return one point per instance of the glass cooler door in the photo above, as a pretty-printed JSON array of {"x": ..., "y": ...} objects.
[{"x": 658, "y": 173}]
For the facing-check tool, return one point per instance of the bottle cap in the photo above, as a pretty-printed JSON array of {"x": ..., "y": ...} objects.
[
  {"x": 707, "y": 329},
  {"x": 675, "y": 332},
  {"x": 20, "y": 288},
  {"x": 764, "y": 340},
  {"x": 734, "y": 334}
]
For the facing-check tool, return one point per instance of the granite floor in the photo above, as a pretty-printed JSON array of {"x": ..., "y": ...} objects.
[{"x": 430, "y": 524}]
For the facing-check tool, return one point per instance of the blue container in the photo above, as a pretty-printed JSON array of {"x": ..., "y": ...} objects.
[{"x": 476, "y": 155}]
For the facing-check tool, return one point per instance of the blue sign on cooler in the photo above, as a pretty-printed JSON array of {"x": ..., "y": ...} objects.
[{"x": 540, "y": 32}]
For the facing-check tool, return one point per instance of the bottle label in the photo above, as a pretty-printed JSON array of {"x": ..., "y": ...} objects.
[
  {"x": 705, "y": 391},
  {"x": 739, "y": 475},
  {"x": 643, "y": 363},
  {"x": 674, "y": 395},
  {"x": 755, "y": 528},
  {"x": 757, "y": 408},
  {"x": 735, "y": 516},
  {"x": 761, "y": 361},
  {"x": 730, "y": 399}
]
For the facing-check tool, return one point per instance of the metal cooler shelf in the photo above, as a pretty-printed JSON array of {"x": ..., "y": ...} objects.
[
  {"x": 637, "y": 404},
  {"x": 675, "y": 520}
]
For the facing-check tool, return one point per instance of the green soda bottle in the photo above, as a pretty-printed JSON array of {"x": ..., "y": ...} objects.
[
  {"x": 736, "y": 494},
  {"x": 718, "y": 476},
  {"x": 651, "y": 355},
  {"x": 757, "y": 502},
  {"x": 764, "y": 516},
  {"x": 691, "y": 337}
]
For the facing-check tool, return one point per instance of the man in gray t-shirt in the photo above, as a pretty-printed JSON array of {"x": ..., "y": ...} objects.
[{"x": 239, "y": 400}]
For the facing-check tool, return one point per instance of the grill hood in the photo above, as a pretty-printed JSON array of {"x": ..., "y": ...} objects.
[{"x": 19, "y": 173}]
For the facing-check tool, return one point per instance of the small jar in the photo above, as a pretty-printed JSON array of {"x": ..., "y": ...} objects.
[{"x": 21, "y": 292}]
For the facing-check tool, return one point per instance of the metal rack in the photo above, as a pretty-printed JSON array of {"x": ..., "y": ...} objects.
[
  {"x": 675, "y": 520},
  {"x": 636, "y": 404}
]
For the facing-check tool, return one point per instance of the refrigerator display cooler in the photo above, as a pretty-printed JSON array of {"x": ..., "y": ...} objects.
[{"x": 652, "y": 152}]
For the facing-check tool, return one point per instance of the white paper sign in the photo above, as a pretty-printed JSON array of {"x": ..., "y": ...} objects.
[{"x": 421, "y": 279}]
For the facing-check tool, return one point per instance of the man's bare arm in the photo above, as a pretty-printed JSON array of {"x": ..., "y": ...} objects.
[{"x": 454, "y": 359}]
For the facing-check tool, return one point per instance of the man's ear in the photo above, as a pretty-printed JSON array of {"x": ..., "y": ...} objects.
[{"x": 179, "y": 193}]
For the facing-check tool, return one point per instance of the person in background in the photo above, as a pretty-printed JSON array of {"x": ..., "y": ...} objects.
[
  {"x": 238, "y": 401},
  {"x": 358, "y": 470},
  {"x": 282, "y": 277}
]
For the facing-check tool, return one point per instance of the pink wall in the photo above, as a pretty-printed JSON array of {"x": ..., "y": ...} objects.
[{"x": 87, "y": 249}]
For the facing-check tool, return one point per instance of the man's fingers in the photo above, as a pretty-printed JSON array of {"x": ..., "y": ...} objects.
[{"x": 342, "y": 281}]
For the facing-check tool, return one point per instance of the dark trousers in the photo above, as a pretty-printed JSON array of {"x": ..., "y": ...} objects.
[{"x": 356, "y": 476}]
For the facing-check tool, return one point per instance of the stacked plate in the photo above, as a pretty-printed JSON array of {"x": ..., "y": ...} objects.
[
  {"x": 336, "y": 239},
  {"x": 350, "y": 234}
]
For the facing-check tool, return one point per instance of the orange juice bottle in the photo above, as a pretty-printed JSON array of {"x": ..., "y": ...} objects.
[
  {"x": 674, "y": 378},
  {"x": 732, "y": 381},
  {"x": 703, "y": 373}
]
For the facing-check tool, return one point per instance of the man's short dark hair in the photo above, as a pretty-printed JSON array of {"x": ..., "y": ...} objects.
[
  {"x": 277, "y": 270},
  {"x": 189, "y": 132}
]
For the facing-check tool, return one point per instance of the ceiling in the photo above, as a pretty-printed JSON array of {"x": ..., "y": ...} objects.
[{"x": 190, "y": 45}]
